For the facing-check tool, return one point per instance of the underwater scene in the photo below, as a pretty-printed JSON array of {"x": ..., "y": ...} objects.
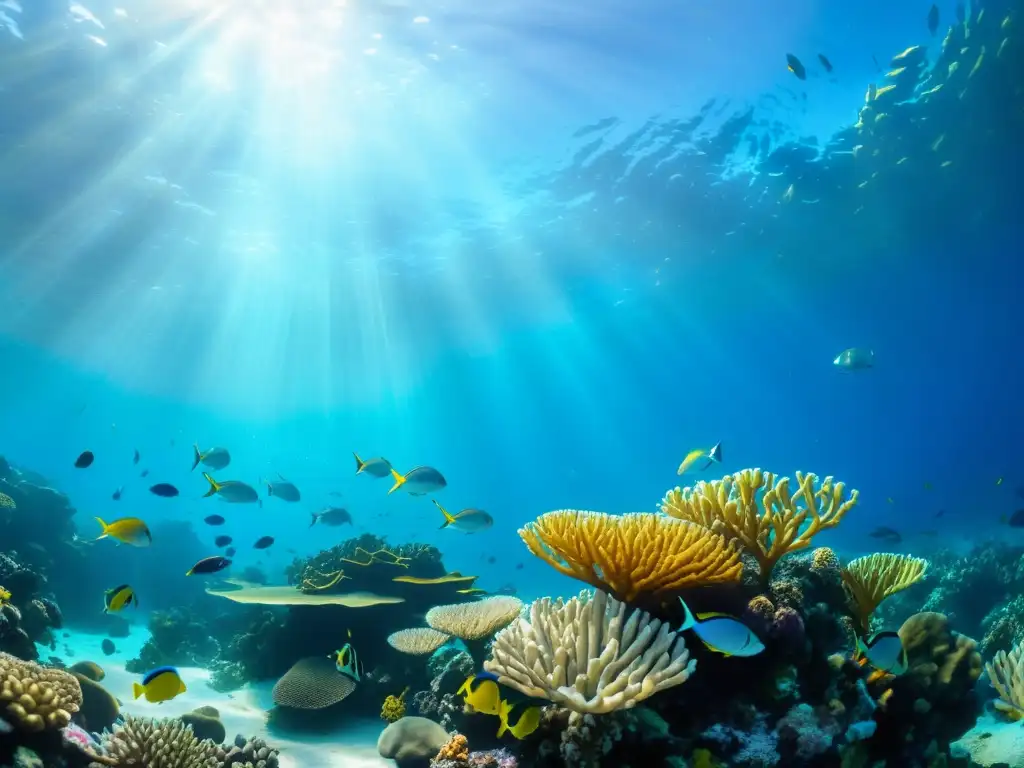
[{"x": 435, "y": 383}]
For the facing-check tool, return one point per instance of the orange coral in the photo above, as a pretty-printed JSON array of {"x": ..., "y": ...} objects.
[
  {"x": 631, "y": 555},
  {"x": 762, "y": 514},
  {"x": 455, "y": 749}
]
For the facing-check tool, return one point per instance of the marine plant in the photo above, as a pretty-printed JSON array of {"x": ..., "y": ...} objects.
[
  {"x": 587, "y": 656},
  {"x": 632, "y": 555},
  {"x": 761, "y": 514}
]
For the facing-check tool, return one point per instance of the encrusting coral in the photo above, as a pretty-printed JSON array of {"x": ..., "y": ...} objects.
[
  {"x": 873, "y": 578},
  {"x": 139, "y": 741},
  {"x": 634, "y": 554},
  {"x": 760, "y": 513},
  {"x": 37, "y": 697},
  {"x": 586, "y": 655},
  {"x": 1006, "y": 673}
]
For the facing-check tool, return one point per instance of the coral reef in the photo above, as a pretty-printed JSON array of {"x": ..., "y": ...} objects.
[{"x": 176, "y": 639}]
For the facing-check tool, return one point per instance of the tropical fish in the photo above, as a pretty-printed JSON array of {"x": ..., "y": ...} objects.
[
  {"x": 347, "y": 661},
  {"x": 378, "y": 467},
  {"x": 284, "y": 490},
  {"x": 136, "y": 457},
  {"x": 933, "y": 19},
  {"x": 119, "y": 597},
  {"x": 520, "y": 718},
  {"x": 419, "y": 481},
  {"x": 231, "y": 491},
  {"x": 144, "y": 473},
  {"x": 825, "y": 63},
  {"x": 884, "y": 651},
  {"x": 129, "y": 530},
  {"x": 7, "y": 501},
  {"x": 887, "y": 534},
  {"x": 222, "y": 541},
  {"x": 230, "y": 551},
  {"x": 5, "y": 595},
  {"x": 116, "y": 495},
  {"x": 208, "y": 565},
  {"x": 722, "y": 633},
  {"x": 713, "y": 455},
  {"x": 793, "y": 65},
  {"x": 854, "y": 359},
  {"x": 481, "y": 692},
  {"x": 214, "y": 458},
  {"x": 162, "y": 684},
  {"x": 263, "y": 542},
  {"x": 166, "y": 490},
  {"x": 332, "y": 516},
  {"x": 214, "y": 520},
  {"x": 107, "y": 646},
  {"x": 469, "y": 520},
  {"x": 85, "y": 459}
]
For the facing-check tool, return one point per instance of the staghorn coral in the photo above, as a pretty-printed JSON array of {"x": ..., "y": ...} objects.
[
  {"x": 760, "y": 513},
  {"x": 37, "y": 697},
  {"x": 1006, "y": 673},
  {"x": 312, "y": 683},
  {"x": 873, "y": 578},
  {"x": 418, "y": 641},
  {"x": 147, "y": 743},
  {"x": 586, "y": 655},
  {"x": 630, "y": 555}
]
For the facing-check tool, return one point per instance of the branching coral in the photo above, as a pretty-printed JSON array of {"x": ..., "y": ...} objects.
[
  {"x": 634, "y": 554},
  {"x": 760, "y": 513},
  {"x": 37, "y": 697},
  {"x": 587, "y": 656},
  {"x": 1006, "y": 673},
  {"x": 873, "y": 578},
  {"x": 139, "y": 741}
]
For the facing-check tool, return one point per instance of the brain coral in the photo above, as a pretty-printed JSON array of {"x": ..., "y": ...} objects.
[{"x": 37, "y": 697}]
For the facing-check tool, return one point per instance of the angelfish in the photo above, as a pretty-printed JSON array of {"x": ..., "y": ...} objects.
[{"x": 721, "y": 633}]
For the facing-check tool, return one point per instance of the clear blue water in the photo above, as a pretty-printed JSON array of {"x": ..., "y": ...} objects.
[{"x": 299, "y": 232}]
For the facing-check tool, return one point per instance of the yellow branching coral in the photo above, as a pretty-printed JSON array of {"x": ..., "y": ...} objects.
[
  {"x": 418, "y": 641},
  {"x": 328, "y": 580},
  {"x": 587, "y": 656},
  {"x": 873, "y": 578},
  {"x": 760, "y": 513},
  {"x": 630, "y": 555},
  {"x": 37, "y": 697},
  {"x": 1006, "y": 673},
  {"x": 394, "y": 707}
]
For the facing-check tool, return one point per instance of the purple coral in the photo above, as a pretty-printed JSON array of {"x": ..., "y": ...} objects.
[
  {"x": 494, "y": 758},
  {"x": 788, "y": 627},
  {"x": 811, "y": 733}
]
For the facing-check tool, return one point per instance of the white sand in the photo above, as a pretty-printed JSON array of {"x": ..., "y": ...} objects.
[
  {"x": 242, "y": 711},
  {"x": 994, "y": 740}
]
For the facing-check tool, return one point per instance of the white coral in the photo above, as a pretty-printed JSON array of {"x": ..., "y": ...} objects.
[{"x": 585, "y": 654}]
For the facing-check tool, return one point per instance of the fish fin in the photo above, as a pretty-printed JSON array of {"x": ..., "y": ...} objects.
[
  {"x": 710, "y": 462},
  {"x": 714, "y": 615},
  {"x": 503, "y": 712},
  {"x": 399, "y": 481},
  {"x": 448, "y": 519},
  {"x": 137, "y": 690},
  {"x": 183, "y": 688},
  {"x": 196, "y": 456},
  {"x": 315, "y": 518},
  {"x": 360, "y": 464},
  {"x": 689, "y": 622},
  {"x": 103, "y": 525},
  {"x": 214, "y": 486}
]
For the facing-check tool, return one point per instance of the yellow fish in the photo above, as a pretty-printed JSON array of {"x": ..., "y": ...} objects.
[
  {"x": 713, "y": 455},
  {"x": 5, "y": 596},
  {"x": 7, "y": 501},
  {"x": 520, "y": 719},
  {"x": 162, "y": 684},
  {"x": 481, "y": 692},
  {"x": 119, "y": 597},
  {"x": 130, "y": 530}
]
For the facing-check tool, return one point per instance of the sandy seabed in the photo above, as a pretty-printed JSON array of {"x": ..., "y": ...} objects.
[{"x": 242, "y": 711}]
